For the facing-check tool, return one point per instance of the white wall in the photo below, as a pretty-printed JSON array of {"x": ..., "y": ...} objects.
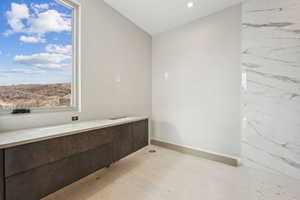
[
  {"x": 112, "y": 47},
  {"x": 198, "y": 105}
]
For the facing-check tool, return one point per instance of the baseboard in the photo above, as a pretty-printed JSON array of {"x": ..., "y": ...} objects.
[{"x": 203, "y": 154}]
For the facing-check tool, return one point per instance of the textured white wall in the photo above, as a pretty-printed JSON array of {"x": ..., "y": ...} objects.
[
  {"x": 196, "y": 84},
  {"x": 112, "y": 48},
  {"x": 271, "y": 49}
]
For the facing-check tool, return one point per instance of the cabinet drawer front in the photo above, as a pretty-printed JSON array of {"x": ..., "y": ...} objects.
[
  {"x": 140, "y": 134},
  {"x": 1, "y": 174},
  {"x": 39, "y": 182},
  {"x": 123, "y": 141},
  {"x": 25, "y": 157}
]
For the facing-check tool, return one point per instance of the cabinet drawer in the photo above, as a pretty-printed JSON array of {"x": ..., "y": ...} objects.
[
  {"x": 140, "y": 134},
  {"x": 25, "y": 157},
  {"x": 123, "y": 141},
  {"x": 39, "y": 182},
  {"x": 1, "y": 174}
]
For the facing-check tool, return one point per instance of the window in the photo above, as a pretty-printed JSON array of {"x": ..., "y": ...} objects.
[{"x": 39, "y": 55}]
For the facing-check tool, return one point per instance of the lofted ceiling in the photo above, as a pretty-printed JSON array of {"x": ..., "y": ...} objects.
[{"x": 156, "y": 16}]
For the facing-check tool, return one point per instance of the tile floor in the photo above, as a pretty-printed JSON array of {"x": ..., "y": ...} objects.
[{"x": 170, "y": 175}]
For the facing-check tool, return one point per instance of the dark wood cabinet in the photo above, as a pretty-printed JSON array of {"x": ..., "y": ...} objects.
[
  {"x": 39, "y": 182},
  {"x": 140, "y": 134},
  {"x": 1, "y": 174},
  {"x": 48, "y": 151},
  {"x": 34, "y": 170},
  {"x": 123, "y": 141}
]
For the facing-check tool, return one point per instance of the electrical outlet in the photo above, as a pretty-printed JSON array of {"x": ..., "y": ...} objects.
[{"x": 75, "y": 118}]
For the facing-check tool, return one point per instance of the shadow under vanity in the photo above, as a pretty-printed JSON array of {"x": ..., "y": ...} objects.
[{"x": 35, "y": 169}]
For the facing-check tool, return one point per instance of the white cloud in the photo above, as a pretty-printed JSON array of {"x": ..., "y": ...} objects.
[
  {"x": 15, "y": 16},
  {"x": 41, "y": 6},
  {"x": 43, "y": 60},
  {"x": 21, "y": 71},
  {"x": 52, "y": 48},
  {"x": 40, "y": 22},
  {"x": 32, "y": 39},
  {"x": 54, "y": 65},
  {"x": 49, "y": 21}
]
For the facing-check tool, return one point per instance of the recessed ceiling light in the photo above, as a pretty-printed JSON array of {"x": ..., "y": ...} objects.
[{"x": 190, "y": 4}]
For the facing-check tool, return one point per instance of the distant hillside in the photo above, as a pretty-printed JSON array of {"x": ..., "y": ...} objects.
[{"x": 35, "y": 95}]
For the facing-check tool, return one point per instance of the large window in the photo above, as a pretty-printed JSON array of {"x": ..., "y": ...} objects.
[{"x": 38, "y": 55}]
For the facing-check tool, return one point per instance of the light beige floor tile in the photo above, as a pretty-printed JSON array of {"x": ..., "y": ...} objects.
[{"x": 169, "y": 175}]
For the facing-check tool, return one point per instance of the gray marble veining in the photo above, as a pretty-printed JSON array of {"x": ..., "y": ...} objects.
[{"x": 271, "y": 102}]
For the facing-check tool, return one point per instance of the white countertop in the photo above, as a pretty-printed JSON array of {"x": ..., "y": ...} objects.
[{"x": 25, "y": 136}]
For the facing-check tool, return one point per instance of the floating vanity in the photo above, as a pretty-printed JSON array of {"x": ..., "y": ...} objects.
[{"x": 37, "y": 162}]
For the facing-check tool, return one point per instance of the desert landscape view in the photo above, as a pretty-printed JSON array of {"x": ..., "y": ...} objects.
[{"x": 35, "y": 96}]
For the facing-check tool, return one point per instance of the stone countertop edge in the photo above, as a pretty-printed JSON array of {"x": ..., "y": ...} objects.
[{"x": 20, "y": 137}]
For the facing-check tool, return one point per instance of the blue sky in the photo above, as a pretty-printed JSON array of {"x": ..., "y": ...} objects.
[{"x": 35, "y": 42}]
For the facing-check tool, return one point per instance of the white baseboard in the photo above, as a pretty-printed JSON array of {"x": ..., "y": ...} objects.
[{"x": 196, "y": 152}]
